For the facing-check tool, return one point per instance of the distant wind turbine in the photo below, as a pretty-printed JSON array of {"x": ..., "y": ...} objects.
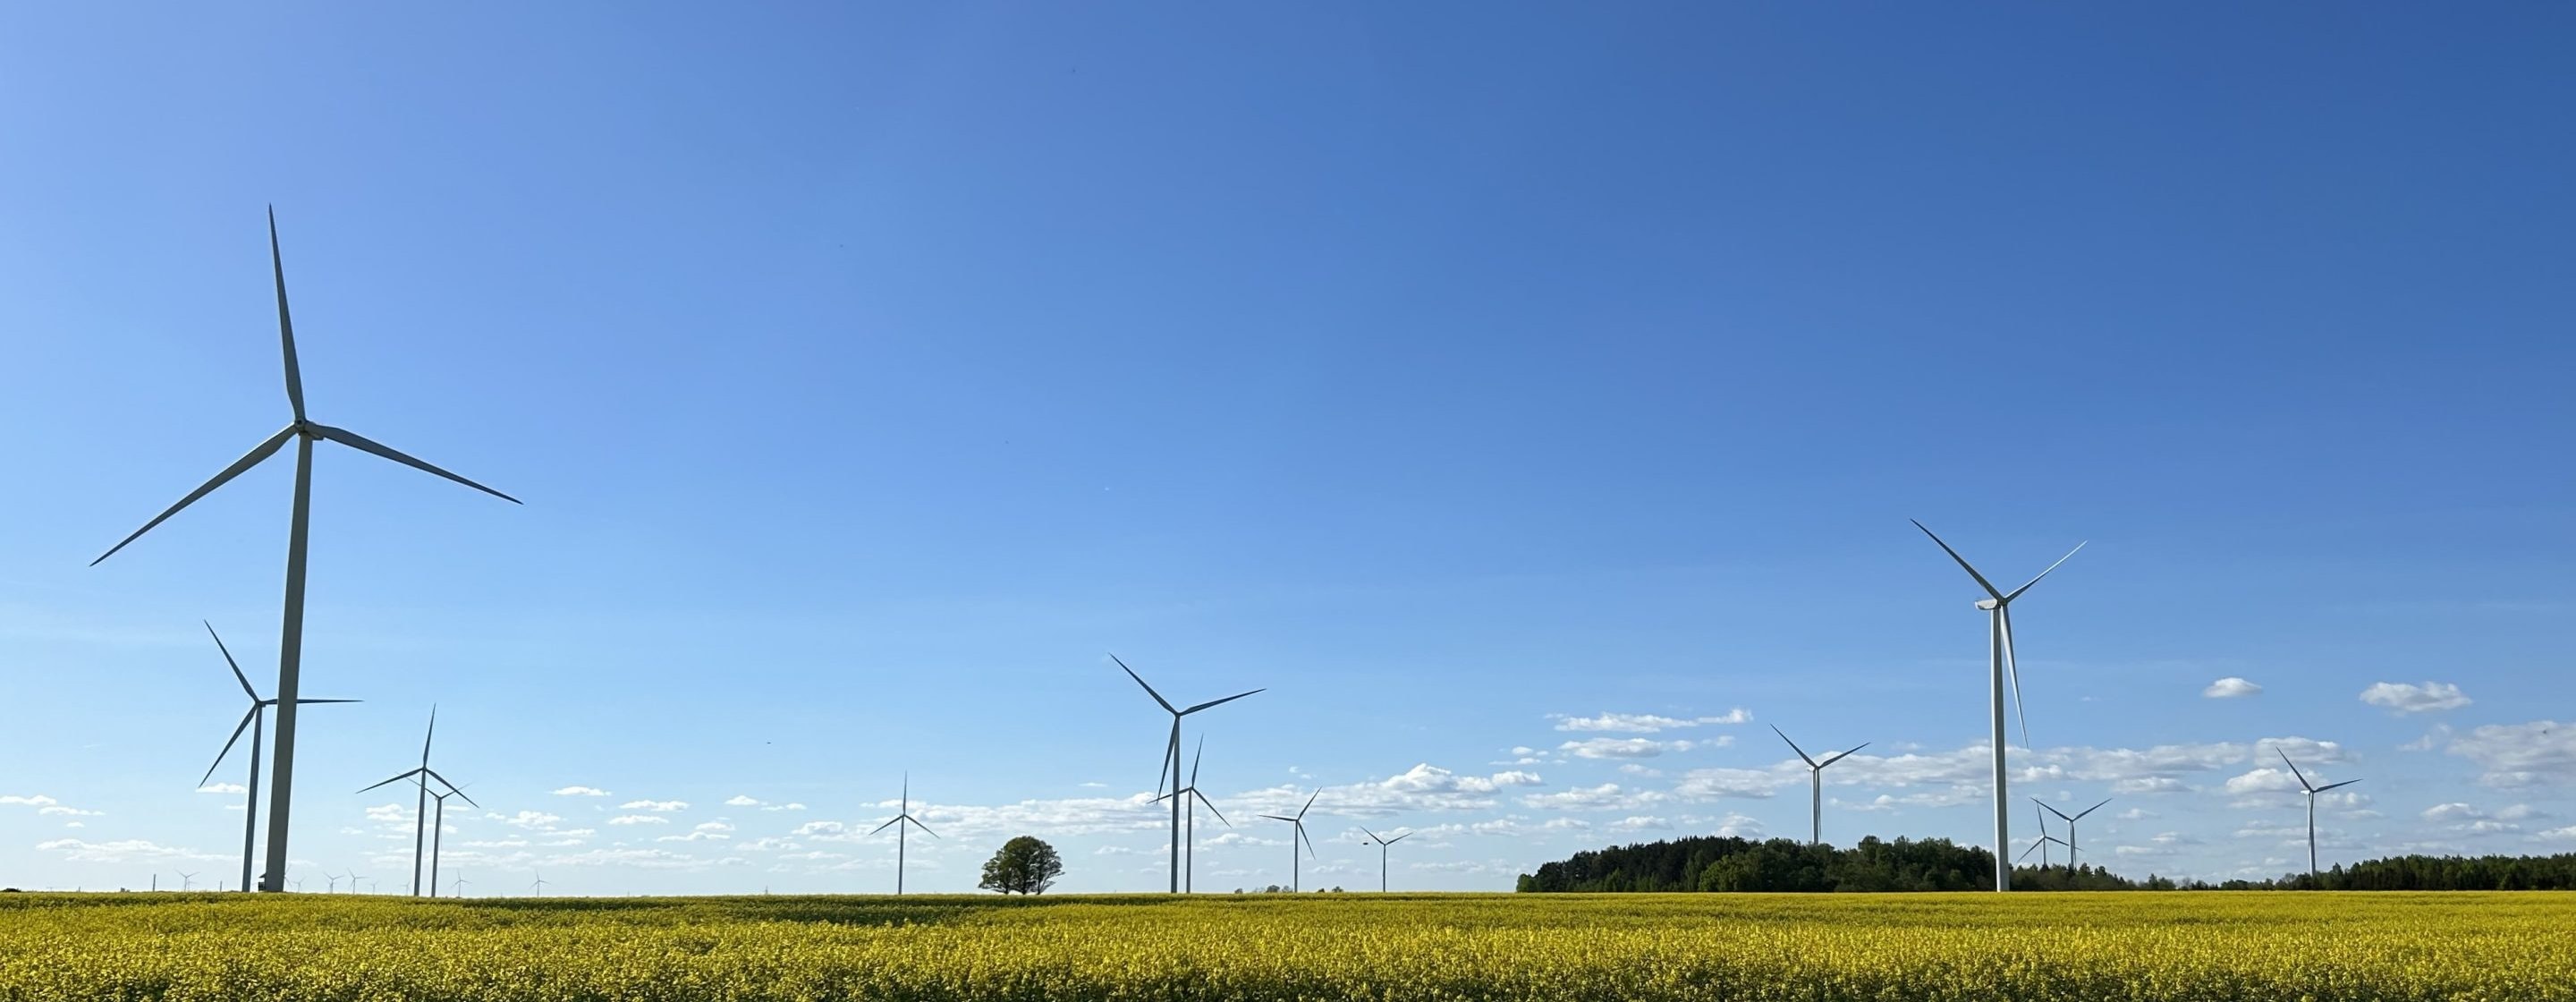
[
  {"x": 186, "y": 880},
  {"x": 1382, "y": 843},
  {"x": 353, "y": 881},
  {"x": 1299, "y": 821},
  {"x": 460, "y": 885},
  {"x": 438, "y": 827},
  {"x": 898, "y": 825},
  {"x": 1172, "y": 757},
  {"x": 2070, "y": 825},
  {"x": 1190, "y": 837},
  {"x": 2041, "y": 847},
  {"x": 2312, "y": 790},
  {"x": 1815, "y": 784},
  {"x": 255, "y": 719},
  {"x": 1998, "y": 606},
  {"x": 420, "y": 810},
  {"x": 539, "y": 886},
  {"x": 334, "y": 886},
  {"x": 290, "y": 648}
]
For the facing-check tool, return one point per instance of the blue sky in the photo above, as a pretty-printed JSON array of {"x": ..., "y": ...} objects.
[{"x": 1483, "y": 382}]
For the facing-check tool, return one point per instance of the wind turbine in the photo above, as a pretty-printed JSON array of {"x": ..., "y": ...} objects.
[
  {"x": 2312, "y": 791},
  {"x": 1815, "y": 784},
  {"x": 897, "y": 824},
  {"x": 1382, "y": 843},
  {"x": 290, "y": 648},
  {"x": 186, "y": 880},
  {"x": 539, "y": 886},
  {"x": 334, "y": 886},
  {"x": 460, "y": 886},
  {"x": 353, "y": 881},
  {"x": 438, "y": 829},
  {"x": 1294, "y": 883},
  {"x": 1189, "y": 871},
  {"x": 2070, "y": 825},
  {"x": 1999, "y": 643},
  {"x": 1172, "y": 757},
  {"x": 256, "y": 720},
  {"x": 2040, "y": 847},
  {"x": 420, "y": 810}
]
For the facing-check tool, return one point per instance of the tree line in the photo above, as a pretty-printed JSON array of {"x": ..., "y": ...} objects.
[{"x": 1725, "y": 863}]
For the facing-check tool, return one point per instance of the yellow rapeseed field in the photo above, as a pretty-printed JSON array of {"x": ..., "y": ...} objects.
[{"x": 2124, "y": 947}]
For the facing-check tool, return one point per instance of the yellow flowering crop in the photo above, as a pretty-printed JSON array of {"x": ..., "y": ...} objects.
[{"x": 2117, "y": 947}]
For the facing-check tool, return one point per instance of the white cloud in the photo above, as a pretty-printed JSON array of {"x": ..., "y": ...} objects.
[
  {"x": 639, "y": 819},
  {"x": 2539, "y": 753},
  {"x": 1705, "y": 784},
  {"x": 2453, "y": 812},
  {"x": 2567, "y": 834},
  {"x": 659, "y": 806},
  {"x": 388, "y": 813},
  {"x": 58, "y": 809},
  {"x": 703, "y": 832},
  {"x": 37, "y": 800},
  {"x": 125, "y": 851},
  {"x": 1641, "y": 822},
  {"x": 1641, "y": 723},
  {"x": 2406, "y": 697},
  {"x": 1622, "y": 747},
  {"x": 2230, "y": 687},
  {"x": 531, "y": 820},
  {"x": 581, "y": 791},
  {"x": 1605, "y": 797},
  {"x": 224, "y": 788},
  {"x": 741, "y": 800}
]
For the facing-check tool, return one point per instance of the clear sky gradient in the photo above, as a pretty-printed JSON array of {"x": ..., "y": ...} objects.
[{"x": 1481, "y": 380}]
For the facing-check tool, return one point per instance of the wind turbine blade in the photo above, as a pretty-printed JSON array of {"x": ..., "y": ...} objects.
[
  {"x": 2025, "y": 854},
  {"x": 1217, "y": 702},
  {"x": 1838, "y": 756},
  {"x": 1171, "y": 747},
  {"x": 285, "y": 326},
  {"x": 925, "y": 829},
  {"x": 228, "y": 743},
  {"x": 1372, "y": 835},
  {"x": 1140, "y": 680},
  {"x": 897, "y": 818},
  {"x": 364, "y": 444},
  {"x": 1989, "y": 586},
  {"x": 1310, "y": 843},
  {"x": 2294, "y": 769},
  {"x": 453, "y": 790},
  {"x": 2044, "y": 805},
  {"x": 2330, "y": 786},
  {"x": 1793, "y": 746},
  {"x": 249, "y": 459},
  {"x": 1194, "y": 763},
  {"x": 1275, "y": 817},
  {"x": 236, "y": 665},
  {"x": 2012, "y": 664},
  {"x": 2039, "y": 810},
  {"x": 2016, "y": 593},
  {"x": 406, "y": 774},
  {"x": 1399, "y": 838},
  {"x": 426, "y": 738},
  {"x": 1310, "y": 803},
  {"x": 1211, "y": 806},
  {"x": 2079, "y": 815}
]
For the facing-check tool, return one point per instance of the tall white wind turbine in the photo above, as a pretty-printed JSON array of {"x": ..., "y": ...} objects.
[
  {"x": 1382, "y": 843},
  {"x": 897, "y": 824},
  {"x": 2312, "y": 790},
  {"x": 1998, "y": 607},
  {"x": 1190, "y": 834},
  {"x": 290, "y": 648},
  {"x": 2070, "y": 825},
  {"x": 420, "y": 809},
  {"x": 1815, "y": 783},
  {"x": 1294, "y": 880},
  {"x": 256, "y": 721},
  {"x": 1172, "y": 757}
]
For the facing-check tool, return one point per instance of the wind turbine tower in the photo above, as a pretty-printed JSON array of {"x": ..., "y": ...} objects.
[
  {"x": 1999, "y": 644},
  {"x": 1815, "y": 784},
  {"x": 256, "y": 721},
  {"x": 1294, "y": 880},
  {"x": 438, "y": 829},
  {"x": 2312, "y": 790},
  {"x": 1172, "y": 757},
  {"x": 897, "y": 824}
]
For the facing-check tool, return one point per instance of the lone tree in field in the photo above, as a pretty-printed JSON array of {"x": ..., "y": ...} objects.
[{"x": 1026, "y": 865}]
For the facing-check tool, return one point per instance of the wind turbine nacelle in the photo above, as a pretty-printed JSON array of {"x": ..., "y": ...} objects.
[{"x": 1989, "y": 604}]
